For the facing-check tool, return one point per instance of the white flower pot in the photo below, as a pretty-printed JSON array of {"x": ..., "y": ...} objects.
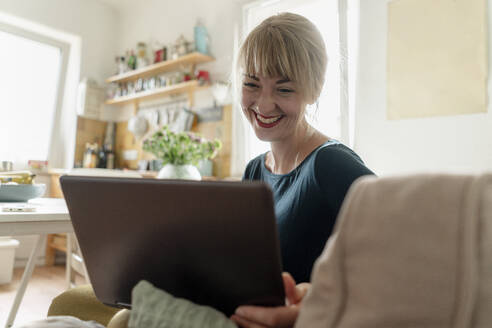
[{"x": 186, "y": 172}]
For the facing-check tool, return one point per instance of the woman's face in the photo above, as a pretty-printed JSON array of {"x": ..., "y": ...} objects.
[{"x": 273, "y": 106}]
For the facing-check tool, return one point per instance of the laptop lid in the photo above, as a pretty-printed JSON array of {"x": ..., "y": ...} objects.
[{"x": 214, "y": 243}]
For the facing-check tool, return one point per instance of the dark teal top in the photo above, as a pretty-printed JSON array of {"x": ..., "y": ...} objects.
[{"x": 307, "y": 201}]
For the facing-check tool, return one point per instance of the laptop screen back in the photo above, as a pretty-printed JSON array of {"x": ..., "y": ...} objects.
[{"x": 214, "y": 243}]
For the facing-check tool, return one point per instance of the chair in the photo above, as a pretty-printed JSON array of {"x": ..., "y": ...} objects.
[{"x": 413, "y": 251}]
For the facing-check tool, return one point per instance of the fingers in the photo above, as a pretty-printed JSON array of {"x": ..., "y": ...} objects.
[
  {"x": 258, "y": 316},
  {"x": 274, "y": 317},
  {"x": 302, "y": 289},
  {"x": 245, "y": 323},
  {"x": 294, "y": 293},
  {"x": 290, "y": 288}
]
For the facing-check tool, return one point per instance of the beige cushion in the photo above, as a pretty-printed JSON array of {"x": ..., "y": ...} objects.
[
  {"x": 410, "y": 251},
  {"x": 81, "y": 302},
  {"x": 120, "y": 319}
]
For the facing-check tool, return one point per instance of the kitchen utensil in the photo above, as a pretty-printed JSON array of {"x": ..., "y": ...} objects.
[{"x": 138, "y": 125}]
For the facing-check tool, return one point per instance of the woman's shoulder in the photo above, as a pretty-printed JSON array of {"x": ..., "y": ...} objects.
[
  {"x": 337, "y": 166},
  {"x": 253, "y": 169},
  {"x": 334, "y": 152}
]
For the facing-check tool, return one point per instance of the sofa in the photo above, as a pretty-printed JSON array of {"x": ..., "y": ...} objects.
[{"x": 407, "y": 251}]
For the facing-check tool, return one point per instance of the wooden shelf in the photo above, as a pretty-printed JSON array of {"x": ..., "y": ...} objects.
[
  {"x": 165, "y": 66},
  {"x": 188, "y": 86}
]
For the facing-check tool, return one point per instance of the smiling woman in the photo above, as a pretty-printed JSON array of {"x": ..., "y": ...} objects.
[{"x": 282, "y": 63}]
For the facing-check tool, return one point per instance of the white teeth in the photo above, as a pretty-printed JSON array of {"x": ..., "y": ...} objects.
[{"x": 268, "y": 120}]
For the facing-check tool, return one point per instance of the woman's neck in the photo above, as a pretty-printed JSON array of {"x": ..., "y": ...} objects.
[{"x": 287, "y": 154}]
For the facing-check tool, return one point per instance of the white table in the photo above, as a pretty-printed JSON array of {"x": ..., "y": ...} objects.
[{"x": 51, "y": 216}]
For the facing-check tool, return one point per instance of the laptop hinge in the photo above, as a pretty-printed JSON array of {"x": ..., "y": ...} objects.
[{"x": 123, "y": 305}]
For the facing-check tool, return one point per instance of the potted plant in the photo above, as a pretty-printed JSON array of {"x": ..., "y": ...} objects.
[{"x": 180, "y": 152}]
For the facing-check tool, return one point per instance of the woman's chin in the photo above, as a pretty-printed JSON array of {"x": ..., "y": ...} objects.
[{"x": 266, "y": 136}]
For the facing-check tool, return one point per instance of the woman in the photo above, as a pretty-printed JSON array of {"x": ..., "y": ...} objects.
[{"x": 282, "y": 63}]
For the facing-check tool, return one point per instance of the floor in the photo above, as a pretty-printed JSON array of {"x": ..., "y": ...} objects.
[{"x": 45, "y": 284}]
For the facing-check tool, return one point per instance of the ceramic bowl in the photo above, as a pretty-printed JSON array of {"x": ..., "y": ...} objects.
[{"x": 21, "y": 192}]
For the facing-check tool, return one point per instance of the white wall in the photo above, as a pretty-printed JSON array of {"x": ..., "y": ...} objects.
[
  {"x": 456, "y": 143},
  {"x": 97, "y": 26}
]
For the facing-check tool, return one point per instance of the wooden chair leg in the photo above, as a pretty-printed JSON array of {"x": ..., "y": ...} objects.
[{"x": 49, "y": 259}]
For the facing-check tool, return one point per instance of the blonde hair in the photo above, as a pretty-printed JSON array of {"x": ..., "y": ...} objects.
[{"x": 290, "y": 46}]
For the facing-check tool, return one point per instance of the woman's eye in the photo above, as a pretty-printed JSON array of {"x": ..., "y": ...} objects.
[
  {"x": 284, "y": 90},
  {"x": 250, "y": 85}
]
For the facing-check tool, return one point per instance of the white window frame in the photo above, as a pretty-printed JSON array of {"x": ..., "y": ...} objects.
[{"x": 65, "y": 48}]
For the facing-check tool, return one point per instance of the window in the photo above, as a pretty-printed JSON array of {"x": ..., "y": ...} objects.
[
  {"x": 330, "y": 115},
  {"x": 31, "y": 88}
]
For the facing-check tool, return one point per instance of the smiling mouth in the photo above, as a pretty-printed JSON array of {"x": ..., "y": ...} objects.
[{"x": 267, "y": 121}]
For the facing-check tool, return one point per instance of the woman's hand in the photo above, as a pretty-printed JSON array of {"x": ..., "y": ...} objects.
[{"x": 277, "y": 317}]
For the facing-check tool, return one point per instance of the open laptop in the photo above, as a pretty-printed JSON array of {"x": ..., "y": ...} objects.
[{"x": 214, "y": 243}]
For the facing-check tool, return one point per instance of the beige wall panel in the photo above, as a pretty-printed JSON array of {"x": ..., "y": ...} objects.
[{"x": 437, "y": 58}]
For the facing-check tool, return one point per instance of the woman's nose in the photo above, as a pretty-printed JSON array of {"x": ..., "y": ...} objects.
[{"x": 265, "y": 103}]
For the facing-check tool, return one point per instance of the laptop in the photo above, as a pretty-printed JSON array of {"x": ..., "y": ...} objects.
[{"x": 214, "y": 243}]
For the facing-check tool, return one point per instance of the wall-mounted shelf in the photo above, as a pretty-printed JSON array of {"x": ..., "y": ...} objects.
[
  {"x": 165, "y": 66},
  {"x": 186, "y": 63},
  {"x": 183, "y": 87}
]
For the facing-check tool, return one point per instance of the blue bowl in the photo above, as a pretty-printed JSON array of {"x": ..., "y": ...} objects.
[{"x": 21, "y": 192}]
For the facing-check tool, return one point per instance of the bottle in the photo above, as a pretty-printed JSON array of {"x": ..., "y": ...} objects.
[
  {"x": 141, "y": 60},
  {"x": 109, "y": 146},
  {"x": 90, "y": 156},
  {"x": 132, "y": 60},
  {"x": 102, "y": 158},
  {"x": 122, "y": 68},
  {"x": 201, "y": 38},
  {"x": 109, "y": 158}
]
